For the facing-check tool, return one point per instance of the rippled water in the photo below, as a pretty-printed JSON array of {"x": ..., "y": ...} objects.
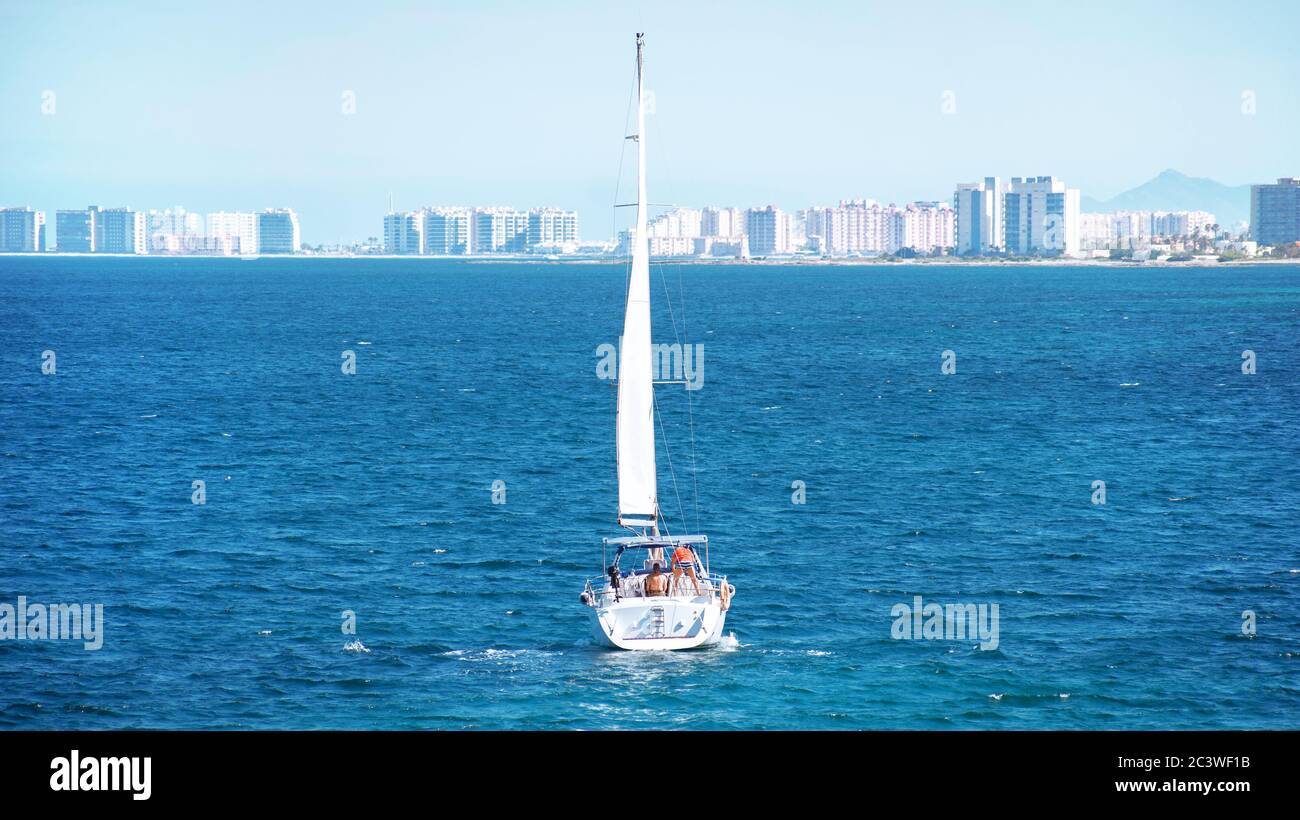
[{"x": 372, "y": 493}]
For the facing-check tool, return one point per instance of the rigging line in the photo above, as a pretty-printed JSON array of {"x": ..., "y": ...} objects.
[
  {"x": 672, "y": 316},
  {"x": 690, "y": 410},
  {"x": 672, "y": 321},
  {"x": 681, "y": 510},
  {"x": 613, "y": 417},
  {"x": 695, "y": 483}
]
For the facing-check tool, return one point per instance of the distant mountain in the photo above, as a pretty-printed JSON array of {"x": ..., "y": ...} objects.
[{"x": 1173, "y": 191}]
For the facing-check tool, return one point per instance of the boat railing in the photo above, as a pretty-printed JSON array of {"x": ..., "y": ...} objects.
[{"x": 600, "y": 593}]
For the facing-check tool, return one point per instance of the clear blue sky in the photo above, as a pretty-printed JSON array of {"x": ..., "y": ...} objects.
[{"x": 237, "y": 105}]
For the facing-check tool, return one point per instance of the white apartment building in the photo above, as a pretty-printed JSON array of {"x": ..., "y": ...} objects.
[
  {"x": 174, "y": 230},
  {"x": 456, "y": 231},
  {"x": 673, "y": 245},
  {"x": 232, "y": 233},
  {"x": 1096, "y": 231},
  {"x": 1041, "y": 217},
  {"x": 865, "y": 227},
  {"x": 679, "y": 222},
  {"x": 854, "y": 227},
  {"x": 737, "y": 246},
  {"x": 404, "y": 233},
  {"x": 448, "y": 231},
  {"x": 499, "y": 230},
  {"x": 1181, "y": 223},
  {"x": 552, "y": 229},
  {"x": 722, "y": 222},
  {"x": 1136, "y": 229},
  {"x": 928, "y": 227}
]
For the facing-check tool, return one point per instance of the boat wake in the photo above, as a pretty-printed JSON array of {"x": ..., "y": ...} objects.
[{"x": 729, "y": 643}]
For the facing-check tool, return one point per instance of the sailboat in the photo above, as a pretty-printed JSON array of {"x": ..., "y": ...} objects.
[{"x": 665, "y": 596}]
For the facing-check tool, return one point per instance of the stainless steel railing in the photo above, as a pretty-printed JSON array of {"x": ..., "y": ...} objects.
[{"x": 599, "y": 592}]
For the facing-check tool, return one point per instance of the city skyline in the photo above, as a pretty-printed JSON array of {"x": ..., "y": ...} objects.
[
  {"x": 1034, "y": 216},
  {"x": 334, "y": 113}
]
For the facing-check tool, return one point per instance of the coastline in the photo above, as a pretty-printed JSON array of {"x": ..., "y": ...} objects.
[
  {"x": 1207, "y": 261},
  {"x": 1198, "y": 262}
]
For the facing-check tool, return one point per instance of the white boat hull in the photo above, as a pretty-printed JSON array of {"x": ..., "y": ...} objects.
[{"x": 676, "y": 622}]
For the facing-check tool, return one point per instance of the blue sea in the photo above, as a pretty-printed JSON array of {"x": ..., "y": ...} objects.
[{"x": 372, "y": 493}]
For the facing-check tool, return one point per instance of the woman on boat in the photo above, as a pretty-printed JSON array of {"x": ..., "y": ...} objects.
[{"x": 685, "y": 559}]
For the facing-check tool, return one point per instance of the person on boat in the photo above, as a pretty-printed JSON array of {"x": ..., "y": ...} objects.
[
  {"x": 685, "y": 560},
  {"x": 614, "y": 579},
  {"x": 656, "y": 583}
]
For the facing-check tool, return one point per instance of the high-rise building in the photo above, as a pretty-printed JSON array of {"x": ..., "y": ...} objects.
[
  {"x": 100, "y": 230},
  {"x": 232, "y": 232},
  {"x": 927, "y": 227},
  {"x": 552, "y": 228},
  {"x": 22, "y": 230},
  {"x": 1128, "y": 230},
  {"x": 174, "y": 230},
  {"x": 722, "y": 222},
  {"x": 670, "y": 234},
  {"x": 447, "y": 231},
  {"x": 855, "y": 227},
  {"x": 686, "y": 223},
  {"x": 768, "y": 230},
  {"x": 404, "y": 233},
  {"x": 119, "y": 230},
  {"x": 1098, "y": 231},
  {"x": 979, "y": 228},
  {"x": 1180, "y": 224},
  {"x": 1275, "y": 212},
  {"x": 277, "y": 231},
  {"x": 74, "y": 231},
  {"x": 500, "y": 230},
  {"x": 1041, "y": 216}
]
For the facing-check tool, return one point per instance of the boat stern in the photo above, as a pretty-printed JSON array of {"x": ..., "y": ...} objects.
[{"x": 680, "y": 622}]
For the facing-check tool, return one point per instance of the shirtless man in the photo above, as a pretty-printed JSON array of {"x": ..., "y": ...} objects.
[{"x": 656, "y": 583}]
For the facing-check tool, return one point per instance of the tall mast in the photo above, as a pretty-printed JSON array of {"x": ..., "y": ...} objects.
[
  {"x": 638, "y": 494},
  {"x": 642, "y": 242}
]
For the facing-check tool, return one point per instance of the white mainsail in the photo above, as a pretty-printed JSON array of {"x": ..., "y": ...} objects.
[{"x": 638, "y": 495}]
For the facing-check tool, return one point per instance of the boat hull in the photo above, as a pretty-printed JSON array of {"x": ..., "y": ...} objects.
[{"x": 660, "y": 623}]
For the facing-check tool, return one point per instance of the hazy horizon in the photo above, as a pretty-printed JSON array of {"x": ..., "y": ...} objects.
[{"x": 241, "y": 106}]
